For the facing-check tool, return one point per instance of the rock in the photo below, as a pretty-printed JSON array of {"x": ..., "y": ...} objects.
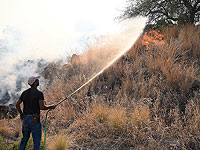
[{"x": 7, "y": 112}]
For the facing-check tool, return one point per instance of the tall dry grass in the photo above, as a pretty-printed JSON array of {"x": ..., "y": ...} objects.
[
  {"x": 162, "y": 70},
  {"x": 146, "y": 100},
  {"x": 60, "y": 142},
  {"x": 117, "y": 119}
]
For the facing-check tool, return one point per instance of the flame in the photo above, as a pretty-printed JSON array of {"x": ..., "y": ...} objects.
[{"x": 152, "y": 38}]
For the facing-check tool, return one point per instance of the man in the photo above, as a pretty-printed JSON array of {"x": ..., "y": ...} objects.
[{"x": 33, "y": 102}]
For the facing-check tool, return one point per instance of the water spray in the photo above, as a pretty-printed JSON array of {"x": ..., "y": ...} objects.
[
  {"x": 100, "y": 72},
  {"x": 129, "y": 45}
]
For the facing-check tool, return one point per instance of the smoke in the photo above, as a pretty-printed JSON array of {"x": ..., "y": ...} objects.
[
  {"x": 26, "y": 52},
  {"x": 17, "y": 63},
  {"x": 105, "y": 49}
]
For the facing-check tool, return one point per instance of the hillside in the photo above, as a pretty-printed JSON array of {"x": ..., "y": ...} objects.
[{"x": 148, "y": 99}]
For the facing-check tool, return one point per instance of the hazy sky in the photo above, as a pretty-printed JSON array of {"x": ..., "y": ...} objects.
[{"x": 57, "y": 25}]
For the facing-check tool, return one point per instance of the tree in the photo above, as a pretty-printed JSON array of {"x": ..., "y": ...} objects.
[{"x": 164, "y": 12}]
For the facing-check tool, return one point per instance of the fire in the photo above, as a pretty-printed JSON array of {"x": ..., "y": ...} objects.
[{"x": 152, "y": 38}]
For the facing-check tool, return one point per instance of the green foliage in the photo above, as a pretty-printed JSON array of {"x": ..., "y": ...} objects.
[
  {"x": 164, "y": 12},
  {"x": 5, "y": 144}
]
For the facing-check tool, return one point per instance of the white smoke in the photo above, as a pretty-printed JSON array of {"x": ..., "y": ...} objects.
[
  {"x": 16, "y": 64},
  {"x": 26, "y": 52}
]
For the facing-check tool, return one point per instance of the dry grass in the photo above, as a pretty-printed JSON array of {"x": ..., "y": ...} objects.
[
  {"x": 144, "y": 101},
  {"x": 60, "y": 142},
  {"x": 193, "y": 117},
  {"x": 117, "y": 119},
  {"x": 4, "y": 130},
  {"x": 140, "y": 116},
  {"x": 100, "y": 112},
  {"x": 153, "y": 69},
  {"x": 10, "y": 128}
]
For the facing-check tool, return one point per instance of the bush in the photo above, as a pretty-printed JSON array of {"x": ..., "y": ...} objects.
[
  {"x": 60, "y": 142},
  {"x": 117, "y": 119}
]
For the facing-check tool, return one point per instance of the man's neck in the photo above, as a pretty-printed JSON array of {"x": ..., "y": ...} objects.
[{"x": 34, "y": 87}]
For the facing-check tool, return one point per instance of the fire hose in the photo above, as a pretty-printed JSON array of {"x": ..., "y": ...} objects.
[
  {"x": 100, "y": 72},
  {"x": 56, "y": 106},
  {"x": 69, "y": 97}
]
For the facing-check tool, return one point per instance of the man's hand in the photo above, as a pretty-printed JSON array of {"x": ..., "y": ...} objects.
[
  {"x": 22, "y": 116},
  {"x": 44, "y": 107},
  {"x": 52, "y": 107}
]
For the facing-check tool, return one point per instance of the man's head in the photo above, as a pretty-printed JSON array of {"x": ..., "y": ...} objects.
[{"x": 33, "y": 81}]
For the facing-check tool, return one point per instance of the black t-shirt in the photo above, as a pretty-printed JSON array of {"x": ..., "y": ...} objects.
[{"x": 30, "y": 99}]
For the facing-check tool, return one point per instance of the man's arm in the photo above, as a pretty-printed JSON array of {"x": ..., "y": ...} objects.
[
  {"x": 44, "y": 107},
  {"x": 19, "y": 108}
]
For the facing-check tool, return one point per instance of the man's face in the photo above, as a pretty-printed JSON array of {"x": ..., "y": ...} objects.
[{"x": 37, "y": 82}]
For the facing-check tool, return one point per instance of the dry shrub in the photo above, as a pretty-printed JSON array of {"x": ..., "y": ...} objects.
[
  {"x": 60, "y": 142},
  {"x": 10, "y": 127},
  {"x": 4, "y": 128},
  {"x": 171, "y": 33},
  {"x": 189, "y": 37},
  {"x": 188, "y": 73},
  {"x": 117, "y": 119},
  {"x": 193, "y": 117},
  {"x": 140, "y": 116},
  {"x": 4, "y": 131},
  {"x": 100, "y": 112}
]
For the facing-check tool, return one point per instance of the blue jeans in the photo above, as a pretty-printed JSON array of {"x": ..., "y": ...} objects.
[{"x": 27, "y": 127}]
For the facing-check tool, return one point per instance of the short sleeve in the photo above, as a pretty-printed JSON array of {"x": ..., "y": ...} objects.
[
  {"x": 21, "y": 97},
  {"x": 41, "y": 96}
]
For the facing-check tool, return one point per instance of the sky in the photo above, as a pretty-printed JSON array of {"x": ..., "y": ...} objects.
[{"x": 60, "y": 25}]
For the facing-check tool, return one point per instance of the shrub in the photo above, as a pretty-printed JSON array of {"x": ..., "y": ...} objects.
[
  {"x": 117, "y": 119},
  {"x": 61, "y": 142},
  {"x": 4, "y": 131},
  {"x": 140, "y": 116},
  {"x": 100, "y": 112}
]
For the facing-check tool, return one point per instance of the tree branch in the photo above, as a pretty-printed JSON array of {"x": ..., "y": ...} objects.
[
  {"x": 198, "y": 9},
  {"x": 195, "y": 5},
  {"x": 163, "y": 13},
  {"x": 188, "y": 4}
]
